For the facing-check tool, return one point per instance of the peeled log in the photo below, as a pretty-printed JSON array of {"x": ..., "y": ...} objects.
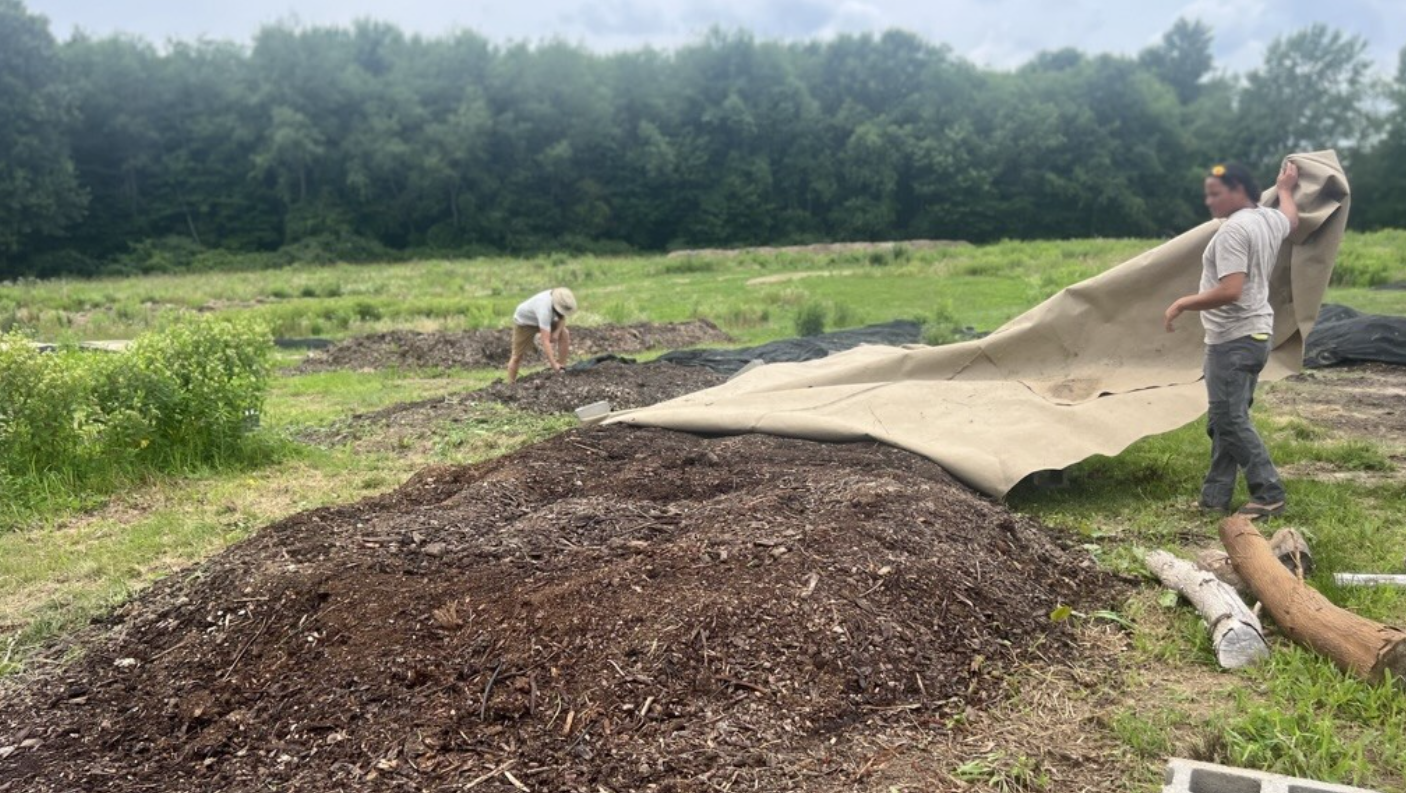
[
  {"x": 1356, "y": 644},
  {"x": 1236, "y": 634},
  {"x": 1286, "y": 544}
]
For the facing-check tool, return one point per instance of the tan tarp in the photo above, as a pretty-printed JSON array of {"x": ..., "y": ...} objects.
[{"x": 1087, "y": 372}]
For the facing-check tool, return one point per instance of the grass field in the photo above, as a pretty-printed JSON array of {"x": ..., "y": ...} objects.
[
  {"x": 1296, "y": 715},
  {"x": 753, "y": 296}
]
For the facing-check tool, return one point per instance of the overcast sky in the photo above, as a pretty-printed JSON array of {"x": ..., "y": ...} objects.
[{"x": 996, "y": 33}]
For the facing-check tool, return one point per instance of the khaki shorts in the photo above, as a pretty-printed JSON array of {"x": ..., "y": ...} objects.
[{"x": 523, "y": 339}]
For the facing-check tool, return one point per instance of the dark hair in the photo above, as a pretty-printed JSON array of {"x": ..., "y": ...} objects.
[{"x": 1233, "y": 175}]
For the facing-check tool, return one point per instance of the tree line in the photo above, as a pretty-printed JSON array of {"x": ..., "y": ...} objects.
[{"x": 365, "y": 141}]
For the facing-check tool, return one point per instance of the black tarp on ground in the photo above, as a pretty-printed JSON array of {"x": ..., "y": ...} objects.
[
  {"x": 806, "y": 348},
  {"x": 1345, "y": 335}
]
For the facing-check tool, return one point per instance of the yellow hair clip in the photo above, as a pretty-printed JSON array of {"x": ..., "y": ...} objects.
[{"x": 1218, "y": 171}]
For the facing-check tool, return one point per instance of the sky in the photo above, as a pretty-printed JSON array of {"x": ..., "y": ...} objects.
[{"x": 1000, "y": 34}]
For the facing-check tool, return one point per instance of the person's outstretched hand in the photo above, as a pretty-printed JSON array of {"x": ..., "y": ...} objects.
[{"x": 1288, "y": 176}]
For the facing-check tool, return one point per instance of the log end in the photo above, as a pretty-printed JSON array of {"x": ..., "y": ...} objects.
[
  {"x": 1241, "y": 646},
  {"x": 1392, "y": 660}
]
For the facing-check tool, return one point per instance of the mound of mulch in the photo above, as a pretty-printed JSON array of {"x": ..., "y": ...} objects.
[
  {"x": 485, "y": 348},
  {"x": 411, "y": 425},
  {"x": 613, "y": 609},
  {"x": 622, "y": 384}
]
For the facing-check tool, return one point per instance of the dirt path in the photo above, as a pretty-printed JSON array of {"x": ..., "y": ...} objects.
[
  {"x": 613, "y": 608},
  {"x": 1366, "y": 401},
  {"x": 1362, "y": 402}
]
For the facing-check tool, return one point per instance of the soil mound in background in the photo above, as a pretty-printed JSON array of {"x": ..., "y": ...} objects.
[
  {"x": 624, "y": 385},
  {"x": 611, "y": 609},
  {"x": 415, "y": 424},
  {"x": 484, "y": 348}
]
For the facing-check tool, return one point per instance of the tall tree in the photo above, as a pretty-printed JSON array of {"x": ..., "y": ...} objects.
[
  {"x": 39, "y": 192},
  {"x": 1379, "y": 178},
  {"x": 1314, "y": 91},
  {"x": 1182, "y": 59}
]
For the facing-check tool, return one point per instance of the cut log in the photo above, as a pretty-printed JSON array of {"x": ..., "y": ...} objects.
[
  {"x": 1356, "y": 644},
  {"x": 1288, "y": 546},
  {"x": 1236, "y": 634},
  {"x": 1217, "y": 562}
]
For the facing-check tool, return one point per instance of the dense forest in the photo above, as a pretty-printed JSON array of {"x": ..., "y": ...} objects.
[{"x": 363, "y": 142}]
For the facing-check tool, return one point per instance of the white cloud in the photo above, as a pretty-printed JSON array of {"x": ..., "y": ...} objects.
[{"x": 998, "y": 33}]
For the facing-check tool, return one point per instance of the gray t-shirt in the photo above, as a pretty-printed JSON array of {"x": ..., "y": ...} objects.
[
  {"x": 536, "y": 311},
  {"x": 1247, "y": 242}
]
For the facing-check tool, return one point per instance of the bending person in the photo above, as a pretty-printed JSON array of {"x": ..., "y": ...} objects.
[{"x": 542, "y": 316}]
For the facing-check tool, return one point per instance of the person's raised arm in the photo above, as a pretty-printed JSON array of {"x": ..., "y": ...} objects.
[{"x": 1288, "y": 178}]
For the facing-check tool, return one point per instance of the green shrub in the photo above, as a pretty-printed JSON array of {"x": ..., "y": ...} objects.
[
  {"x": 810, "y": 319},
  {"x": 941, "y": 326},
  {"x": 366, "y": 311},
  {"x": 843, "y": 316},
  {"x": 77, "y": 422},
  {"x": 161, "y": 255},
  {"x": 690, "y": 264},
  {"x": 335, "y": 247}
]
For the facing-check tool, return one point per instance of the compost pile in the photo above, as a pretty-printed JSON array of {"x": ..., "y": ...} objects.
[
  {"x": 611, "y": 609},
  {"x": 410, "y": 425},
  {"x": 406, "y": 349}
]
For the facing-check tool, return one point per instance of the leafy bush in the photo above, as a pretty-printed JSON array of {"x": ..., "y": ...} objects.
[
  {"x": 332, "y": 248},
  {"x": 1367, "y": 266},
  {"x": 161, "y": 255},
  {"x": 810, "y": 319},
  {"x": 941, "y": 325},
  {"x": 689, "y": 265},
  {"x": 78, "y": 422}
]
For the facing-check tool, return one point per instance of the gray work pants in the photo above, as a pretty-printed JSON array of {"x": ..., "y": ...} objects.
[{"x": 1232, "y": 370}]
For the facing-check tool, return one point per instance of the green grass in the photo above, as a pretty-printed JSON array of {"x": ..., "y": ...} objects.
[
  {"x": 320, "y": 398},
  {"x": 1297, "y": 714},
  {"x": 988, "y": 285}
]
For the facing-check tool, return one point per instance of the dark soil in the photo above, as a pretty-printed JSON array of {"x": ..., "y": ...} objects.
[
  {"x": 485, "y": 348},
  {"x": 623, "y": 385},
  {"x": 613, "y": 609},
  {"x": 1366, "y": 401},
  {"x": 412, "y": 425}
]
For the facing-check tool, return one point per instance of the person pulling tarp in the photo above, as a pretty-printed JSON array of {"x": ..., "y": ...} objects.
[{"x": 1087, "y": 372}]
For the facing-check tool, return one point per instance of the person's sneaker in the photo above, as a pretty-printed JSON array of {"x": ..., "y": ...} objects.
[
  {"x": 1211, "y": 509},
  {"x": 1255, "y": 511}
]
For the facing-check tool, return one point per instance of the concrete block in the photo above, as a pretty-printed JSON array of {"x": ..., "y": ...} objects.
[
  {"x": 593, "y": 413},
  {"x": 1191, "y": 776}
]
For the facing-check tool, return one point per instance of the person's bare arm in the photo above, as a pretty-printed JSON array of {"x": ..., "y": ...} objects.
[
  {"x": 1288, "y": 179},
  {"x": 1227, "y": 291},
  {"x": 546, "y": 335}
]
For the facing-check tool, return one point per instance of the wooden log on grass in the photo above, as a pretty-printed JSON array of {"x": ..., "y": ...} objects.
[
  {"x": 1356, "y": 644},
  {"x": 1287, "y": 545},
  {"x": 1236, "y": 634}
]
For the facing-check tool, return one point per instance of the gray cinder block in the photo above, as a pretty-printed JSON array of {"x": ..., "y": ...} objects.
[{"x": 1191, "y": 776}]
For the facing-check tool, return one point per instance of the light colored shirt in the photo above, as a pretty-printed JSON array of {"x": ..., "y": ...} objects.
[
  {"x": 1248, "y": 242},
  {"x": 536, "y": 311}
]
